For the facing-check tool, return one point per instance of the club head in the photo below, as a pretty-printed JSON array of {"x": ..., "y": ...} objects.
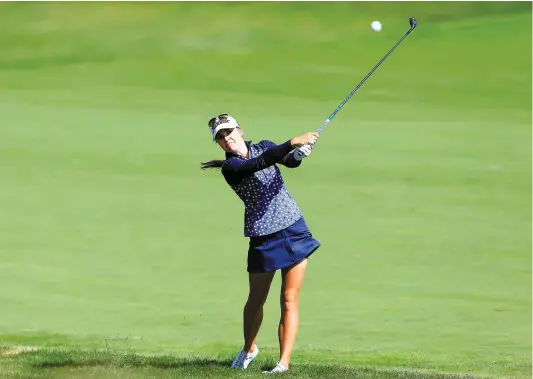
[{"x": 413, "y": 22}]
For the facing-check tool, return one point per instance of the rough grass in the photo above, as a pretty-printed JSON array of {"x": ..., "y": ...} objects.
[{"x": 108, "y": 364}]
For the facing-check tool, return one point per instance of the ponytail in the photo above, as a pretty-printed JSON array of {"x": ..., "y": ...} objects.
[{"x": 213, "y": 164}]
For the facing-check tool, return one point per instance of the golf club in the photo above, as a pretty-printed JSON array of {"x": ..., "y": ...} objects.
[{"x": 413, "y": 23}]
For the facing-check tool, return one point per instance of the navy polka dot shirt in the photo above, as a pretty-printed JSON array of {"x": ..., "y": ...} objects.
[{"x": 269, "y": 207}]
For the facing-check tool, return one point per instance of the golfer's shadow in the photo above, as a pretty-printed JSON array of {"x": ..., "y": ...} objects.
[
  {"x": 137, "y": 361},
  {"x": 206, "y": 362},
  {"x": 163, "y": 363},
  {"x": 191, "y": 362}
]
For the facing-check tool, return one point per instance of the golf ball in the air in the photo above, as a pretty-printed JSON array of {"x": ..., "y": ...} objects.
[{"x": 376, "y": 26}]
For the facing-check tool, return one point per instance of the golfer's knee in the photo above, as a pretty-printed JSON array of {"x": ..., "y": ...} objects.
[
  {"x": 289, "y": 299},
  {"x": 255, "y": 302}
]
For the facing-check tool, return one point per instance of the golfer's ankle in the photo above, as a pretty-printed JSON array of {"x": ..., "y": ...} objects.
[{"x": 249, "y": 347}]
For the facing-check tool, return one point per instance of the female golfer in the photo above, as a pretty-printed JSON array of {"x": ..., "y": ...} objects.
[{"x": 278, "y": 234}]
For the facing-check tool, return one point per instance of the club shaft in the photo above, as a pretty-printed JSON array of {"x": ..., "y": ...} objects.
[{"x": 331, "y": 116}]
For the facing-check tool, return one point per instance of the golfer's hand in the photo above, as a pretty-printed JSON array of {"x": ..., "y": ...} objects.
[
  {"x": 302, "y": 152},
  {"x": 309, "y": 138}
]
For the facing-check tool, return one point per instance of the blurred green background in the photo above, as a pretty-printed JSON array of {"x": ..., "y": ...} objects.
[{"x": 419, "y": 190}]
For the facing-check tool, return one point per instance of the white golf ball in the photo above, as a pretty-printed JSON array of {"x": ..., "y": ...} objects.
[{"x": 376, "y": 26}]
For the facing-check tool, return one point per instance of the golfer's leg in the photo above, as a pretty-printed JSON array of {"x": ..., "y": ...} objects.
[
  {"x": 253, "y": 310},
  {"x": 292, "y": 280}
]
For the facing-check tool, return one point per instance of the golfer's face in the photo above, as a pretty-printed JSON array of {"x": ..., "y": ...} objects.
[{"x": 228, "y": 139}]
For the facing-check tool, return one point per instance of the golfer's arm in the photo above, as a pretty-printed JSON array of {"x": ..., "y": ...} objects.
[
  {"x": 236, "y": 170},
  {"x": 289, "y": 161}
]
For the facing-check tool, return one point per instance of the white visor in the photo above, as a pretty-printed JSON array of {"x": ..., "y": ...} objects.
[{"x": 228, "y": 123}]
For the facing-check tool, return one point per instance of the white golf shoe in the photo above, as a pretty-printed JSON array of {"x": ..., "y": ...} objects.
[
  {"x": 243, "y": 359},
  {"x": 280, "y": 367}
]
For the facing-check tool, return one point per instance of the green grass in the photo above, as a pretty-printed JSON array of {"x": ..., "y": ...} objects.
[{"x": 420, "y": 189}]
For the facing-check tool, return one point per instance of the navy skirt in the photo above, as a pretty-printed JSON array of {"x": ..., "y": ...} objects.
[{"x": 281, "y": 249}]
